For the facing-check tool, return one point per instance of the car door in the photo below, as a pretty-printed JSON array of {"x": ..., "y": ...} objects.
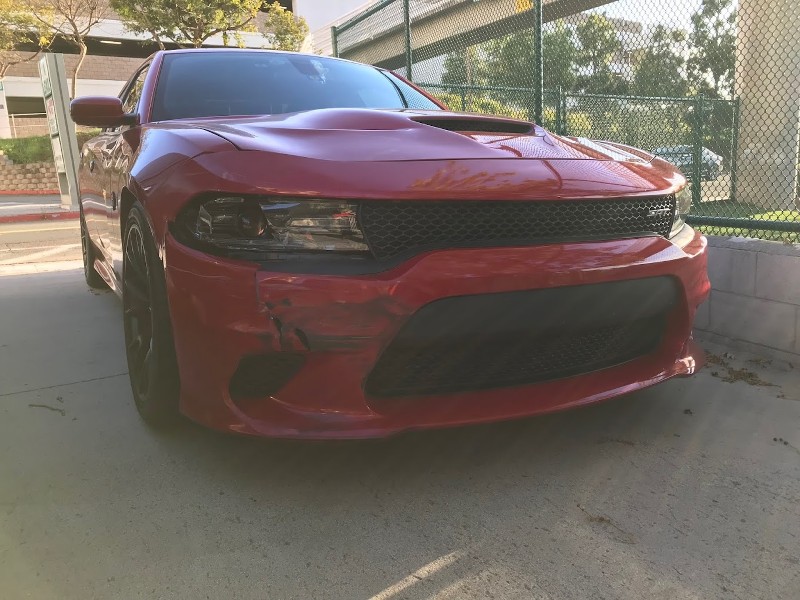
[
  {"x": 117, "y": 156},
  {"x": 93, "y": 186}
]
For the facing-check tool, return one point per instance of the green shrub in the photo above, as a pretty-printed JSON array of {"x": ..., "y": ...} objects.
[
  {"x": 28, "y": 150},
  {"x": 34, "y": 149},
  {"x": 479, "y": 103}
]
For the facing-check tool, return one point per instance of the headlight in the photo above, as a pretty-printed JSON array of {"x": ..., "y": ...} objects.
[
  {"x": 275, "y": 225},
  {"x": 683, "y": 202}
]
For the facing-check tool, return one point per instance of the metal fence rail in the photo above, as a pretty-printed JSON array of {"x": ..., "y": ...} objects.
[
  {"x": 711, "y": 85},
  {"x": 28, "y": 124}
]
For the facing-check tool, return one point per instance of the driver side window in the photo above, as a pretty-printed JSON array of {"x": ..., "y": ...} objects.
[
  {"x": 130, "y": 96},
  {"x": 130, "y": 99}
]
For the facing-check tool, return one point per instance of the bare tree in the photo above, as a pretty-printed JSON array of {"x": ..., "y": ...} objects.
[{"x": 71, "y": 20}]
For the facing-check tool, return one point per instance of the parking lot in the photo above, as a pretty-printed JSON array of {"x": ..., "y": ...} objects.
[{"x": 687, "y": 490}]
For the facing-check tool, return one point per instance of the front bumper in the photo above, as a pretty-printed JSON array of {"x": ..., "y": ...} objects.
[{"x": 225, "y": 310}]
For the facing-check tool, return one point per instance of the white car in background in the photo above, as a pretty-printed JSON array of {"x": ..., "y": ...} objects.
[{"x": 683, "y": 157}]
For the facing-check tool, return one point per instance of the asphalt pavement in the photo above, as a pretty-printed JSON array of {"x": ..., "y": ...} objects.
[
  {"x": 39, "y": 246},
  {"x": 687, "y": 490}
]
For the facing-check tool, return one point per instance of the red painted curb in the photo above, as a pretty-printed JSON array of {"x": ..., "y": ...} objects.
[
  {"x": 46, "y": 216},
  {"x": 29, "y": 192}
]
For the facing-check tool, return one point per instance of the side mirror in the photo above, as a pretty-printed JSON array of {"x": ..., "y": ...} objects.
[{"x": 100, "y": 111}]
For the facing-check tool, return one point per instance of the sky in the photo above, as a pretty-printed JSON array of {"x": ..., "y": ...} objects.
[{"x": 676, "y": 13}]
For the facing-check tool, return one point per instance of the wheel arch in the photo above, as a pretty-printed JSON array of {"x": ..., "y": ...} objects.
[{"x": 126, "y": 202}]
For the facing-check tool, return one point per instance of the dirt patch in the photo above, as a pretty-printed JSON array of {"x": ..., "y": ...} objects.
[
  {"x": 731, "y": 374},
  {"x": 617, "y": 532}
]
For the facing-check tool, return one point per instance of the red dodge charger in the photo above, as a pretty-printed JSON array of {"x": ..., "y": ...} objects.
[{"x": 311, "y": 247}]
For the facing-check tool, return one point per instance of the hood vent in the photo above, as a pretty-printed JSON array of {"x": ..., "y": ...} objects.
[{"x": 462, "y": 125}]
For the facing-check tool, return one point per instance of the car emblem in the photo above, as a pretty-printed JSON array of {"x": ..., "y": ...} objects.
[{"x": 659, "y": 212}]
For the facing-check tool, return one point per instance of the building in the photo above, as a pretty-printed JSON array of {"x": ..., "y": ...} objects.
[{"x": 114, "y": 53}]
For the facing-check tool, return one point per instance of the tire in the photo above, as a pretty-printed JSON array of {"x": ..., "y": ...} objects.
[
  {"x": 149, "y": 347},
  {"x": 89, "y": 254}
]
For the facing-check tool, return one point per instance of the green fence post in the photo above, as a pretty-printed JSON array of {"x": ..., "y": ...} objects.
[
  {"x": 538, "y": 66},
  {"x": 335, "y": 41},
  {"x": 697, "y": 155},
  {"x": 463, "y": 99},
  {"x": 559, "y": 113},
  {"x": 407, "y": 26},
  {"x": 734, "y": 148}
]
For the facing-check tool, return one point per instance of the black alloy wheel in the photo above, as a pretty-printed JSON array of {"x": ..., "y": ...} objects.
[
  {"x": 89, "y": 254},
  {"x": 150, "y": 351}
]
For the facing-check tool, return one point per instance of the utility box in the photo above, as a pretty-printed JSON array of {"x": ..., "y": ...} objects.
[{"x": 66, "y": 153}]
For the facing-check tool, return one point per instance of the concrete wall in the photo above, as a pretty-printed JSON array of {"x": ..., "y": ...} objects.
[
  {"x": 115, "y": 68},
  {"x": 768, "y": 86},
  {"x": 755, "y": 297},
  {"x": 26, "y": 178}
]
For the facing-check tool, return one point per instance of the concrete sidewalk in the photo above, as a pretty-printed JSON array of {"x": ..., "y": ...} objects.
[
  {"x": 20, "y": 208},
  {"x": 686, "y": 490}
]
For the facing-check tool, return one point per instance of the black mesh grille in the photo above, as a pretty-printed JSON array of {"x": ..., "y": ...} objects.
[
  {"x": 449, "y": 367},
  {"x": 262, "y": 375},
  {"x": 396, "y": 227}
]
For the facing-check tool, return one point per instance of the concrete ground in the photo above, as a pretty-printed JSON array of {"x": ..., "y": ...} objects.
[
  {"x": 32, "y": 205},
  {"x": 688, "y": 490}
]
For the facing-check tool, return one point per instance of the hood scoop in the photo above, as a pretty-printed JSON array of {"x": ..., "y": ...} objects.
[
  {"x": 477, "y": 125},
  {"x": 364, "y": 135}
]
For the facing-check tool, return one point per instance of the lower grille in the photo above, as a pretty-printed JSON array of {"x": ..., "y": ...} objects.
[
  {"x": 447, "y": 369},
  {"x": 262, "y": 375},
  {"x": 394, "y": 228},
  {"x": 519, "y": 338}
]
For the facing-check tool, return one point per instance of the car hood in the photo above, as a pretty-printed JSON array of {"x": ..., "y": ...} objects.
[{"x": 362, "y": 135}]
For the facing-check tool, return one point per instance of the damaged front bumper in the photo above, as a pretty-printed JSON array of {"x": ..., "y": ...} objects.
[{"x": 326, "y": 333}]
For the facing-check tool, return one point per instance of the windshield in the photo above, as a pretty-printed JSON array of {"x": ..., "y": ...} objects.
[{"x": 257, "y": 83}]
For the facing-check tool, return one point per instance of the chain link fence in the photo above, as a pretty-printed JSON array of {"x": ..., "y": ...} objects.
[{"x": 713, "y": 86}]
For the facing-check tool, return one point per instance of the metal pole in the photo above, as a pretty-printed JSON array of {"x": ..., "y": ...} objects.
[
  {"x": 335, "y": 41},
  {"x": 734, "y": 149},
  {"x": 538, "y": 67},
  {"x": 697, "y": 155},
  {"x": 559, "y": 113},
  {"x": 407, "y": 25}
]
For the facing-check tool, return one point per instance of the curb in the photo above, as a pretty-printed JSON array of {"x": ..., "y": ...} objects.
[
  {"x": 29, "y": 192},
  {"x": 44, "y": 216}
]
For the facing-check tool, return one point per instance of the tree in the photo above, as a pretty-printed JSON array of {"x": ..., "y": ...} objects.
[
  {"x": 17, "y": 28},
  {"x": 560, "y": 54},
  {"x": 599, "y": 45},
  {"x": 511, "y": 59},
  {"x": 713, "y": 40},
  {"x": 71, "y": 20},
  {"x": 466, "y": 66},
  {"x": 187, "y": 22},
  {"x": 660, "y": 70},
  {"x": 287, "y": 31},
  {"x": 143, "y": 17}
]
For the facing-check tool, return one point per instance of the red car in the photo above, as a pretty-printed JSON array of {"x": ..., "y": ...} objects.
[{"x": 311, "y": 247}]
